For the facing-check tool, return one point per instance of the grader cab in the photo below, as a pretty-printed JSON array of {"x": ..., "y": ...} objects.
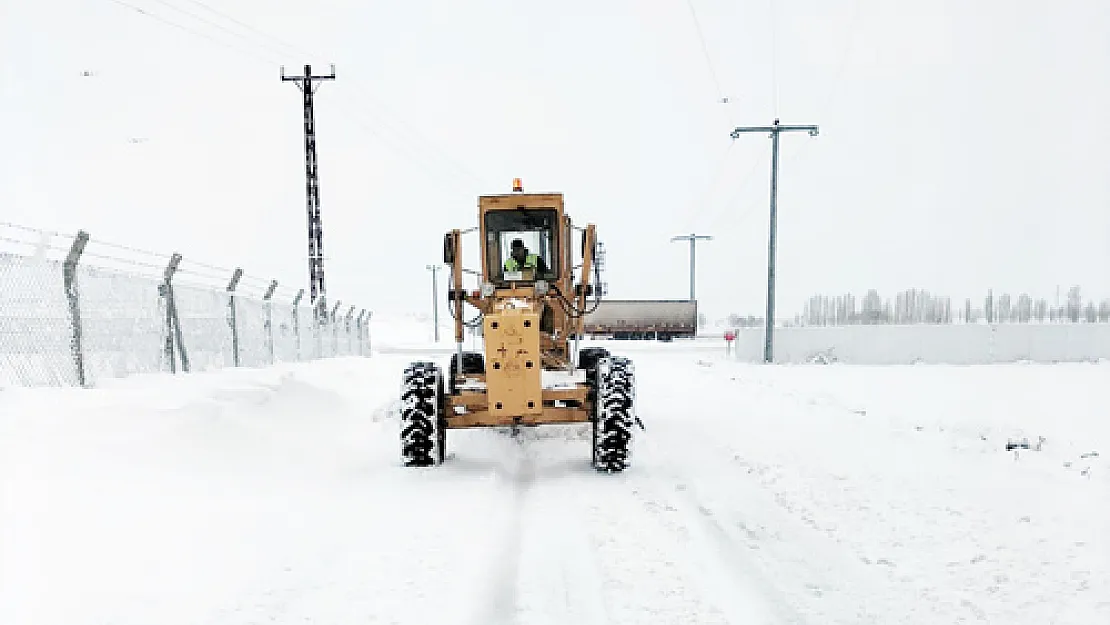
[{"x": 528, "y": 308}]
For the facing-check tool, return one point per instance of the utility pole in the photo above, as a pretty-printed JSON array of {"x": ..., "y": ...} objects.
[
  {"x": 435, "y": 299},
  {"x": 693, "y": 239},
  {"x": 775, "y": 130},
  {"x": 307, "y": 84}
]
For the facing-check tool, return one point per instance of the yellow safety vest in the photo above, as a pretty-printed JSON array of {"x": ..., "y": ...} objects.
[{"x": 530, "y": 262}]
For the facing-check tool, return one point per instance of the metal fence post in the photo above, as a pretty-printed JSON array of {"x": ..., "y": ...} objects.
[
  {"x": 270, "y": 319},
  {"x": 334, "y": 329},
  {"x": 297, "y": 322},
  {"x": 69, "y": 273},
  {"x": 173, "y": 323},
  {"x": 231, "y": 321}
]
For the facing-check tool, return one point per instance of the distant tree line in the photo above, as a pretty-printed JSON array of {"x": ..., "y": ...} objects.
[{"x": 919, "y": 306}]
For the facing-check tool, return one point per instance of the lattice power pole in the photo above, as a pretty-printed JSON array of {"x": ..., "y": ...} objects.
[
  {"x": 693, "y": 239},
  {"x": 775, "y": 130},
  {"x": 307, "y": 84}
]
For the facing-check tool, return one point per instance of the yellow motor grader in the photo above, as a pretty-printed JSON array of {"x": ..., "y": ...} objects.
[{"x": 529, "y": 312}]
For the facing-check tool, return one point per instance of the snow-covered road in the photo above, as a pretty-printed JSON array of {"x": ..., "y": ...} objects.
[{"x": 757, "y": 495}]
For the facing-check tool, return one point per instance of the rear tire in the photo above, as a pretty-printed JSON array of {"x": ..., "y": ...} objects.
[
  {"x": 473, "y": 363},
  {"x": 615, "y": 414},
  {"x": 588, "y": 357},
  {"x": 423, "y": 431}
]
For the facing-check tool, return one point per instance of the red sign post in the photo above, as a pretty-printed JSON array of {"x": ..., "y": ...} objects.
[{"x": 730, "y": 336}]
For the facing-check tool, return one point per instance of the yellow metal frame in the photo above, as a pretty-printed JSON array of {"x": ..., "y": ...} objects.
[{"x": 516, "y": 350}]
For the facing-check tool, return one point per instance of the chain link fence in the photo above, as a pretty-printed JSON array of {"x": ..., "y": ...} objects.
[{"x": 74, "y": 311}]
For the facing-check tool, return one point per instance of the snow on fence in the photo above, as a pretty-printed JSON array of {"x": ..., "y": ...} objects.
[
  {"x": 64, "y": 322},
  {"x": 961, "y": 344}
]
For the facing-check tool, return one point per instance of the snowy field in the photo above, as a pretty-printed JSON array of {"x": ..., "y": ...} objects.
[{"x": 786, "y": 494}]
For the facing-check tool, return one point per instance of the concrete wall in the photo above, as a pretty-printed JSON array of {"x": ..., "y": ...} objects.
[{"x": 947, "y": 344}]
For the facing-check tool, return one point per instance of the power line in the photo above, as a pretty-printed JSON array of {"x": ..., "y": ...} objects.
[
  {"x": 202, "y": 19},
  {"x": 849, "y": 43},
  {"x": 699, "y": 205},
  {"x": 705, "y": 50},
  {"x": 774, "y": 61},
  {"x": 365, "y": 94},
  {"x": 282, "y": 43},
  {"x": 745, "y": 181},
  {"x": 191, "y": 31},
  {"x": 269, "y": 61},
  {"x": 414, "y": 134},
  {"x": 398, "y": 146}
]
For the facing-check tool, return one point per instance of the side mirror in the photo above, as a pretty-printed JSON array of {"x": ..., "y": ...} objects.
[{"x": 448, "y": 249}]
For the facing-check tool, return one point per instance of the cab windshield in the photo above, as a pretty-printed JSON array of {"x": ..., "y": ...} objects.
[{"x": 520, "y": 245}]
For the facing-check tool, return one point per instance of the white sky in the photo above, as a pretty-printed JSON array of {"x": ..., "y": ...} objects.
[{"x": 963, "y": 143}]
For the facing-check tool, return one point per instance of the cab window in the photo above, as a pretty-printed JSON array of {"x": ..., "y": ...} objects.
[{"x": 535, "y": 228}]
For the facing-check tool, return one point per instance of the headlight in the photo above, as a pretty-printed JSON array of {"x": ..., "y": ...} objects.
[
  {"x": 487, "y": 289},
  {"x": 541, "y": 287}
]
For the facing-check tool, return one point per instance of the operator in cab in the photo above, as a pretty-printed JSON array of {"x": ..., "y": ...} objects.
[
  {"x": 533, "y": 267},
  {"x": 520, "y": 260}
]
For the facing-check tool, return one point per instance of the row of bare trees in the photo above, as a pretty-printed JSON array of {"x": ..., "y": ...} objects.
[{"x": 920, "y": 306}]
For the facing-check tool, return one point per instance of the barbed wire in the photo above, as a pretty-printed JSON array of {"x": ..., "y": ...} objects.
[
  {"x": 30, "y": 229},
  {"x": 126, "y": 261},
  {"x": 37, "y": 247},
  {"x": 145, "y": 260},
  {"x": 127, "y": 248}
]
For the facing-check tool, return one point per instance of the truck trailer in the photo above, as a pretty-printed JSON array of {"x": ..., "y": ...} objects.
[{"x": 642, "y": 320}]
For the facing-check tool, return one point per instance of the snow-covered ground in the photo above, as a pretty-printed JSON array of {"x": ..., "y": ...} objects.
[{"x": 805, "y": 494}]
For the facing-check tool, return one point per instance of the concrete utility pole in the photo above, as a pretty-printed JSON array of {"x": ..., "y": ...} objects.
[
  {"x": 307, "y": 84},
  {"x": 435, "y": 298},
  {"x": 693, "y": 239},
  {"x": 775, "y": 130}
]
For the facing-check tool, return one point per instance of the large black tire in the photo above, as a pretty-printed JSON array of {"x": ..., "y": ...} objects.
[
  {"x": 473, "y": 363},
  {"x": 615, "y": 414},
  {"x": 423, "y": 431}
]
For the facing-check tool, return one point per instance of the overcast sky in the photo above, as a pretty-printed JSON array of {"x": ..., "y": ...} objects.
[{"x": 963, "y": 143}]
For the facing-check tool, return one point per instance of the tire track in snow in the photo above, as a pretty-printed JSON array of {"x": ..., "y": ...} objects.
[
  {"x": 500, "y": 606},
  {"x": 713, "y": 557},
  {"x": 742, "y": 529},
  {"x": 647, "y": 575},
  {"x": 722, "y": 557},
  {"x": 592, "y": 555},
  {"x": 559, "y": 579},
  {"x": 404, "y": 547},
  {"x": 545, "y": 570}
]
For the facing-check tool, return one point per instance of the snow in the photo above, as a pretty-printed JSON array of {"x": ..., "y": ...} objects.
[
  {"x": 958, "y": 344},
  {"x": 782, "y": 494}
]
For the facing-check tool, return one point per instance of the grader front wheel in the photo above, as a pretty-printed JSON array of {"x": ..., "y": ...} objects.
[
  {"x": 423, "y": 431},
  {"x": 615, "y": 414}
]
